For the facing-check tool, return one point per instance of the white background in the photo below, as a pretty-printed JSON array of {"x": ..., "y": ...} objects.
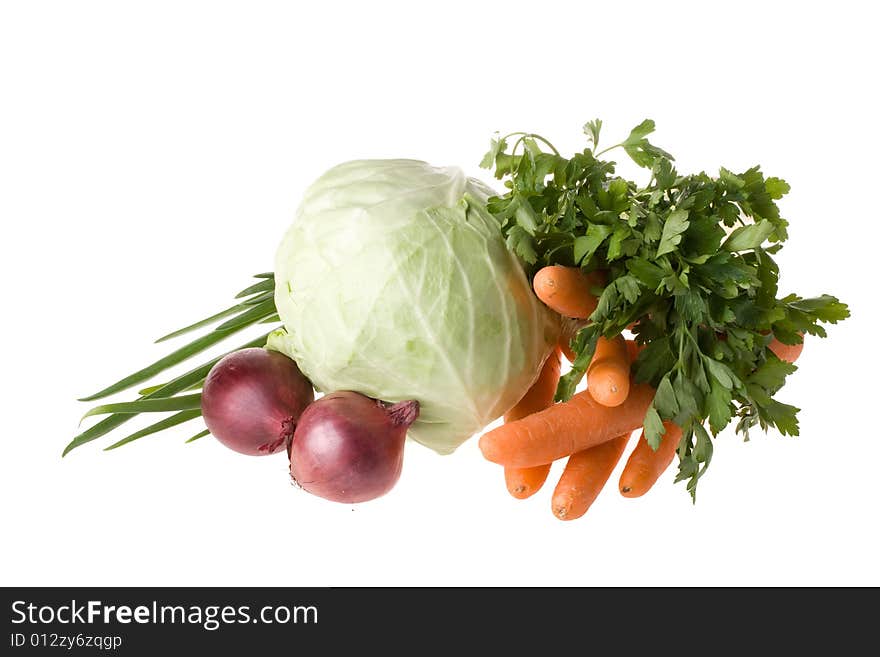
[{"x": 152, "y": 155}]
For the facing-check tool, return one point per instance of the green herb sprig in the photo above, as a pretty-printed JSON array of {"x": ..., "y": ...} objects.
[{"x": 689, "y": 260}]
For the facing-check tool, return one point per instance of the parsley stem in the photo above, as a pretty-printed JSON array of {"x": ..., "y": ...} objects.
[
  {"x": 530, "y": 135},
  {"x": 605, "y": 150},
  {"x": 546, "y": 143},
  {"x": 680, "y": 346},
  {"x": 694, "y": 340}
]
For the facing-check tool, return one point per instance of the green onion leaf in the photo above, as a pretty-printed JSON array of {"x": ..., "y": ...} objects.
[
  {"x": 251, "y": 316},
  {"x": 182, "y": 382},
  {"x": 202, "y": 322},
  {"x": 262, "y": 286},
  {"x": 183, "y": 403},
  {"x": 145, "y": 392},
  {"x": 171, "y": 421},
  {"x": 200, "y": 434},
  {"x": 247, "y": 318},
  {"x": 253, "y": 301}
]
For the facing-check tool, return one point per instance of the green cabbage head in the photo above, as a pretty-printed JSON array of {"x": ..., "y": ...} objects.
[{"x": 394, "y": 281}]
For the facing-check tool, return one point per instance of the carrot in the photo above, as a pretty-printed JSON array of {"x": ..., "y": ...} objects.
[
  {"x": 786, "y": 352},
  {"x": 565, "y": 428},
  {"x": 584, "y": 477},
  {"x": 608, "y": 374},
  {"x": 540, "y": 395},
  {"x": 644, "y": 466},
  {"x": 567, "y": 290},
  {"x": 570, "y": 328},
  {"x": 525, "y": 482}
]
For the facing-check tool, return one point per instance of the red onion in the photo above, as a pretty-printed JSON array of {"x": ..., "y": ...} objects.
[
  {"x": 349, "y": 448},
  {"x": 252, "y": 399}
]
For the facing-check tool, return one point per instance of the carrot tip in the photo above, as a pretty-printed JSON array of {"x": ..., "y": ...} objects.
[
  {"x": 521, "y": 491},
  {"x": 560, "y": 512},
  {"x": 625, "y": 489}
]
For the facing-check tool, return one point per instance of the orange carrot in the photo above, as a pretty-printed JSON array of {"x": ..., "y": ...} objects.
[
  {"x": 525, "y": 482},
  {"x": 570, "y": 328},
  {"x": 608, "y": 374},
  {"x": 644, "y": 466},
  {"x": 565, "y": 428},
  {"x": 540, "y": 395},
  {"x": 584, "y": 477},
  {"x": 567, "y": 290},
  {"x": 786, "y": 352}
]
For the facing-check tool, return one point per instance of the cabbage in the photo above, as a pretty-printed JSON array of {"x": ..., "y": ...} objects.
[{"x": 394, "y": 281}]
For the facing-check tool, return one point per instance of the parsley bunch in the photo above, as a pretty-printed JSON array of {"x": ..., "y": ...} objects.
[{"x": 689, "y": 260}]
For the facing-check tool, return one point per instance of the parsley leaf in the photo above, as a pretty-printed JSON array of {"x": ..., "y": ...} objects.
[
  {"x": 591, "y": 129},
  {"x": 654, "y": 428},
  {"x": 718, "y": 406},
  {"x": 585, "y": 245},
  {"x": 748, "y": 237},
  {"x": 640, "y": 150},
  {"x": 496, "y": 146},
  {"x": 520, "y": 242},
  {"x": 676, "y": 223}
]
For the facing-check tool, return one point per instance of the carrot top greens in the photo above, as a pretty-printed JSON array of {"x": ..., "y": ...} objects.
[{"x": 689, "y": 258}]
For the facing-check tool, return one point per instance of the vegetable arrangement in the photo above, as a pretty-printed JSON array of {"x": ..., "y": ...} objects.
[
  {"x": 687, "y": 265},
  {"x": 425, "y": 305}
]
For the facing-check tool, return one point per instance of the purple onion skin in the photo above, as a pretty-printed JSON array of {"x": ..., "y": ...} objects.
[
  {"x": 252, "y": 400},
  {"x": 349, "y": 448}
]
